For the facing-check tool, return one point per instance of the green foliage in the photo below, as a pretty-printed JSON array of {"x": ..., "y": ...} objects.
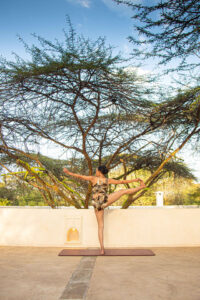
[
  {"x": 168, "y": 30},
  {"x": 7, "y": 194},
  {"x": 4, "y": 202},
  {"x": 193, "y": 196},
  {"x": 16, "y": 193},
  {"x": 179, "y": 188}
]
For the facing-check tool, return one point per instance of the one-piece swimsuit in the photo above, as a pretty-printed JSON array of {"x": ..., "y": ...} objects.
[{"x": 99, "y": 194}]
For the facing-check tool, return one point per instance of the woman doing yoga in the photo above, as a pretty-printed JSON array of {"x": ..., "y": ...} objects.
[{"x": 100, "y": 198}]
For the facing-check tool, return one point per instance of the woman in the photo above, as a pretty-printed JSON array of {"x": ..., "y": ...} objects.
[{"x": 100, "y": 199}]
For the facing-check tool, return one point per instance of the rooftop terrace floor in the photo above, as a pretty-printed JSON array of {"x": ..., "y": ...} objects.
[{"x": 38, "y": 273}]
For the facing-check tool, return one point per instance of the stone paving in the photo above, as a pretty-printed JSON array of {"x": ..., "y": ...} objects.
[
  {"x": 38, "y": 273},
  {"x": 78, "y": 284}
]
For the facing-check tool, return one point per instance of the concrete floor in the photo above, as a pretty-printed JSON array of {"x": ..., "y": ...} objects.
[{"x": 38, "y": 273}]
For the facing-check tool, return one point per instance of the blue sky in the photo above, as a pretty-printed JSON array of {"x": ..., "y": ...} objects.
[{"x": 47, "y": 18}]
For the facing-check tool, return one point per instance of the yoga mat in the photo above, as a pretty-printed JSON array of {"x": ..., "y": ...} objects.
[{"x": 108, "y": 252}]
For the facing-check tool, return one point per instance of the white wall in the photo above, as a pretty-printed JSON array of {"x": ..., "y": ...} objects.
[{"x": 134, "y": 227}]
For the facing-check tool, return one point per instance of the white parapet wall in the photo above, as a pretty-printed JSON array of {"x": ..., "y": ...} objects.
[{"x": 168, "y": 226}]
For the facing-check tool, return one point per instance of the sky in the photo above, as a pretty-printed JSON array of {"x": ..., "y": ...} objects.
[
  {"x": 48, "y": 17},
  {"x": 92, "y": 18}
]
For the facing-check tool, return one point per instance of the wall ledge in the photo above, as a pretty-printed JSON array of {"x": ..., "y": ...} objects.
[
  {"x": 132, "y": 227},
  {"x": 111, "y": 207}
]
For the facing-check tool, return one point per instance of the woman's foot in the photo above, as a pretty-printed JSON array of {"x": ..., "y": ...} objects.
[{"x": 102, "y": 251}]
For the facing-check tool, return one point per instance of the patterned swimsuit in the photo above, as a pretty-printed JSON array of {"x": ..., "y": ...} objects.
[{"x": 99, "y": 194}]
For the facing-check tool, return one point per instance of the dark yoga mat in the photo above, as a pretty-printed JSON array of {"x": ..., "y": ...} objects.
[{"x": 108, "y": 252}]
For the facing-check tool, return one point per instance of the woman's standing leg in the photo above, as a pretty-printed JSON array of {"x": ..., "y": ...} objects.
[{"x": 100, "y": 221}]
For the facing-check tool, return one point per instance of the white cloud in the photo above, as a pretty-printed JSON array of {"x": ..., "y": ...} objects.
[
  {"x": 122, "y": 10},
  {"x": 137, "y": 70},
  {"x": 84, "y": 3}
]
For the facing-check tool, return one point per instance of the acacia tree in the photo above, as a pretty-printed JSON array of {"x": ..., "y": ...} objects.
[
  {"x": 169, "y": 30},
  {"x": 75, "y": 96}
]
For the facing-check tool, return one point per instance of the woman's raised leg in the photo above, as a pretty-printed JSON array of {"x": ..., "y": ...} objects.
[{"x": 116, "y": 195}]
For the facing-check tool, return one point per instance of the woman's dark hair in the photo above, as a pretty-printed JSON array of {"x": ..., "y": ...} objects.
[{"x": 103, "y": 169}]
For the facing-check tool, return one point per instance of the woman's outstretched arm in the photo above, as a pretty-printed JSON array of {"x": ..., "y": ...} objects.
[
  {"x": 114, "y": 181},
  {"x": 89, "y": 178}
]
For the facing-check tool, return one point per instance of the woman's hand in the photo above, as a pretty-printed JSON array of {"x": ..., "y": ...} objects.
[
  {"x": 141, "y": 182},
  {"x": 138, "y": 180}
]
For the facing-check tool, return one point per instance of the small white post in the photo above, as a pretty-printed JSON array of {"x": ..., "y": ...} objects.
[{"x": 159, "y": 198}]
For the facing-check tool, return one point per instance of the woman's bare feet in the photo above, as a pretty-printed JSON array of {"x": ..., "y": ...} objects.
[{"x": 102, "y": 251}]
